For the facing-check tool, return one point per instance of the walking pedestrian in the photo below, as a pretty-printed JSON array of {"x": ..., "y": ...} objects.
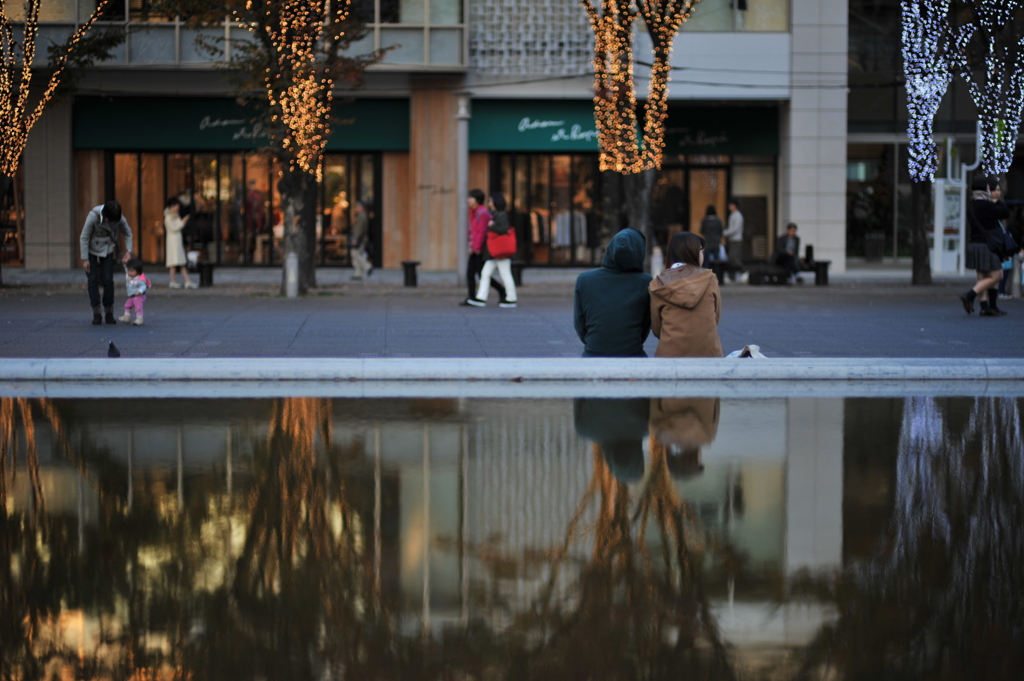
[
  {"x": 359, "y": 241},
  {"x": 174, "y": 250},
  {"x": 501, "y": 246},
  {"x": 479, "y": 218},
  {"x": 711, "y": 228},
  {"x": 984, "y": 212},
  {"x": 686, "y": 304},
  {"x": 98, "y": 245},
  {"x": 734, "y": 235},
  {"x": 611, "y": 306}
]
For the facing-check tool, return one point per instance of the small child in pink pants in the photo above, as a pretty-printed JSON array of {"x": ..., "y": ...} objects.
[{"x": 138, "y": 284}]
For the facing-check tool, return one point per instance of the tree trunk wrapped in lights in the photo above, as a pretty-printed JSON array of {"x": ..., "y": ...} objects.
[
  {"x": 991, "y": 59},
  {"x": 289, "y": 69},
  {"x": 632, "y": 150}
]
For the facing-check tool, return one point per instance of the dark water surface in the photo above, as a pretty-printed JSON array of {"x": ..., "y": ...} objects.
[{"x": 512, "y": 539}]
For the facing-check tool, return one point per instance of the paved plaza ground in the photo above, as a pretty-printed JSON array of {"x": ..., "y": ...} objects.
[{"x": 47, "y": 315}]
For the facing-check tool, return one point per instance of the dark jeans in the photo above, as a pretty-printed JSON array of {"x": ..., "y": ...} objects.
[
  {"x": 788, "y": 261},
  {"x": 734, "y": 249},
  {"x": 474, "y": 264},
  {"x": 101, "y": 270}
]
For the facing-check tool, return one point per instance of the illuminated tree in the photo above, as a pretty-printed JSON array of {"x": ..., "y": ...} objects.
[
  {"x": 631, "y": 144},
  {"x": 295, "y": 59}
]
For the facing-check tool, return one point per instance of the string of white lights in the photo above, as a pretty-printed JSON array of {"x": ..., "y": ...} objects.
[{"x": 926, "y": 38}]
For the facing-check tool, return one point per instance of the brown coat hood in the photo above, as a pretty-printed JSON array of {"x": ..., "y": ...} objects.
[
  {"x": 683, "y": 286},
  {"x": 686, "y": 305}
]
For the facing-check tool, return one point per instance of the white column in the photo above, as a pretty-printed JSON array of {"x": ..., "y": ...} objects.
[
  {"x": 51, "y": 239},
  {"x": 814, "y": 129},
  {"x": 814, "y": 484},
  {"x": 462, "y": 172}
]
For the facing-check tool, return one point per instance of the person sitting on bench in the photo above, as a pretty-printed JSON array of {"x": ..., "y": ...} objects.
[{"x": 787, "y": 247}]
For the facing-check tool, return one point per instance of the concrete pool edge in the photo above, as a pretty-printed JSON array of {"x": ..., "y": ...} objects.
[{"x": 500, "y": 376}]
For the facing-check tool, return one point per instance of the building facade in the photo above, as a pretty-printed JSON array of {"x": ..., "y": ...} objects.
[{"x": 757, "y": 112}]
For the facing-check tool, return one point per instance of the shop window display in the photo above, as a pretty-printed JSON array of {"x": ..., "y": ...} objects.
[{"x": 234, "y": 207}]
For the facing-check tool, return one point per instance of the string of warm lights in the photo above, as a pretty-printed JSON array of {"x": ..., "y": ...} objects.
[
  {"x": 16, "y": 121},
  {"x": 664, "y": 18},
  {"x": 926, "y": 38},
  {"x": 298, "y": 79},
  {"x": 623, "y": 149}
]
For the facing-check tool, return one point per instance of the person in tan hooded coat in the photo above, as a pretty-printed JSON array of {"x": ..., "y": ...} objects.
[{"x": 686, "y": 302}]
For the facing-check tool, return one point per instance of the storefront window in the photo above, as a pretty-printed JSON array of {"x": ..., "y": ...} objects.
[
  {"x": 870, "y": 216},
  {"x": 152, "y": 239},
  {"x": 234, "y": 208},
  {"x": 553, "y": 201}
]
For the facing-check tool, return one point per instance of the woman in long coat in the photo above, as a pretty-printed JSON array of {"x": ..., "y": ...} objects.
[{"x": 174, "y": 249}]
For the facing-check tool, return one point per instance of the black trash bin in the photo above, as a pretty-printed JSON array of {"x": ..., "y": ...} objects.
[
  {"x": 409, "y": 268},
  {"x": 205, "y": 274}
]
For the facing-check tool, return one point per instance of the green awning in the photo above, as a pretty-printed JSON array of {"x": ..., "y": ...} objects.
[
  {"x": 532, "y": 125},
  {"x": 219, "y": 124},
  {"x": 750, "y": 130},
  {"x": 568, "y": 125}
]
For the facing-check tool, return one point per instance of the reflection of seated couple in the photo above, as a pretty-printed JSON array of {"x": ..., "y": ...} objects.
[{"x": 678, "y": 428}]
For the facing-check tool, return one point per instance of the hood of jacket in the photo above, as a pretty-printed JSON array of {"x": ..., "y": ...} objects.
[
  {"x": 682, "y": 286},
  {"x": 625, "y": 252}
]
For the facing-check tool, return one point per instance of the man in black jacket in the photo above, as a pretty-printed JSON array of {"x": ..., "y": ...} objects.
[{"x": 611, "y": 304}]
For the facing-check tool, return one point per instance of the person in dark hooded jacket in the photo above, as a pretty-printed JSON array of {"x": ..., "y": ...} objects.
[{"x": 612, "y": 306}]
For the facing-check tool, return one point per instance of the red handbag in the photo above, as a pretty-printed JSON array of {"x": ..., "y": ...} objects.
[{"x": 501, "y": 246}]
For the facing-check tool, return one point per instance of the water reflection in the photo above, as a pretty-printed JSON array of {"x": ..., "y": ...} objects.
[{"x": 433, "y": 539}]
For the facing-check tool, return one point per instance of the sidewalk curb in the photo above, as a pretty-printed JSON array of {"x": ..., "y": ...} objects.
[{"x": 700, "y": 371}]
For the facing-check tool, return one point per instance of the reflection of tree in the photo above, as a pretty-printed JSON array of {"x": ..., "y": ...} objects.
[
  {"x": 941, "y": 598},
  {"x": 628, "y": 616}
]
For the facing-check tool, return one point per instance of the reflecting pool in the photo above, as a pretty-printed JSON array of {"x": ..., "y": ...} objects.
[{"x": 457, "y": 539}]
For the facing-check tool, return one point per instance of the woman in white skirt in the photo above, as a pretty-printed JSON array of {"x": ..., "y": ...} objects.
[
  {"x": 984, "y": 212},
  {"x": 175, "y": 247}
]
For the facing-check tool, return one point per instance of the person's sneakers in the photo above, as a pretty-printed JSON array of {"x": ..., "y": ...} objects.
[
  {"x": 138, "y": 321},
  {"x": 968, "y": 303},
  {"x": 1004, "y": 296},
  {"x": 507, "y": 303},
  {"x": 743, "y": 278},
  {"x": 110, "y": 318},
  {"x": 174, "y": 284},
  {"x": 97, "y": 318},
  {"x": 126, "y": 317},
  {"x": 465, "y": 303},
  {"x": 476, "y": 302},
  {"x": 191, "y": 284}
]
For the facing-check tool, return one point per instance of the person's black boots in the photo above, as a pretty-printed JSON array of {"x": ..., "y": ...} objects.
[
  {"x": 110, "y": 316},
  {"x": 993, "y": 298},
  {"x": 97, "y": 318},
  {"x": 968, "y": 300}
]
